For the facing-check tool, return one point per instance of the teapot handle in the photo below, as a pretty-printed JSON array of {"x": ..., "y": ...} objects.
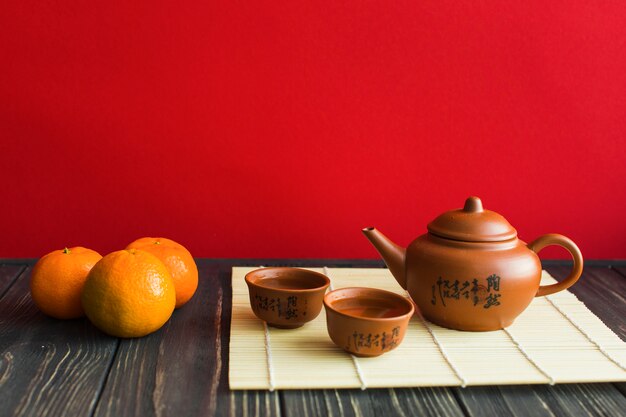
[{"x": 559, "y": 240}]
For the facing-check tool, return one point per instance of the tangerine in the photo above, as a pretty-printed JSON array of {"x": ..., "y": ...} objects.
[
  {"x": 58, "y": 279},
  {"x": 179, "y": 262},
  {"x": 129, "y": 293}
]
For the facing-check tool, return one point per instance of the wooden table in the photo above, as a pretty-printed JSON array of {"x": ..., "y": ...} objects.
[{"x": 54, "y": 368}]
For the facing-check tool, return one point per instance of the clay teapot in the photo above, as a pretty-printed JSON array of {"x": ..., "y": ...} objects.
[{"x": 470, "y": 271}]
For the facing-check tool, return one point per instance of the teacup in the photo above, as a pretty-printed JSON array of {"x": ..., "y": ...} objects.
[
  {"x": 286, "y": 297},
  {"x": 367, "y": 321}
]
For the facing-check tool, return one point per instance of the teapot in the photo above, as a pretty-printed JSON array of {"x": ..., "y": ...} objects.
[{"x": 470, "y": 271}]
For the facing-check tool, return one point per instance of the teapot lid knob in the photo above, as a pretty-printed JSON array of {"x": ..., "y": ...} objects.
[
  {"x": 473, "y": 205},
  {"x": 472, "y": 223}
]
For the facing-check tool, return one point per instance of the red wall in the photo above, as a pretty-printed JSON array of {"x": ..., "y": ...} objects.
[{"x": 280, "y": 129}]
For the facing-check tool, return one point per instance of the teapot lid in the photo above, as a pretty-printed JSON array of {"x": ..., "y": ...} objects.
[{"x": 472, "y": 224}]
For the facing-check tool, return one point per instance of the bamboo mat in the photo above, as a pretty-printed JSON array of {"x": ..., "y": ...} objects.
[{"x": 556, "y": 340}]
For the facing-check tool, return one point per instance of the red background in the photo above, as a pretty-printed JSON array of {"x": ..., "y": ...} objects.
[{"x": 281, "y": 128}]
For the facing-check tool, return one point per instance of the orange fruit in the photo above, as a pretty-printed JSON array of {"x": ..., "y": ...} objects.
[
  {"x": 179, "y": 262},
  {"x": 58, "y": 278},
  {"x": 129, "y": 293}
]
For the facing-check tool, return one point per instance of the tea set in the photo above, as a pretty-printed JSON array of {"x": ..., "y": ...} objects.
[{"x": 469, "y": 272}]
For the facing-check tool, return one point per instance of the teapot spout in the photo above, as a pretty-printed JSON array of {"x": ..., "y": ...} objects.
[{"x": 393, "y": 255}]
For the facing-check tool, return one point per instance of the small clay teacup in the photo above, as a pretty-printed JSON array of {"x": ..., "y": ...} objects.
[
  {"x": 367, "y": 321},
  {"x": 286, "y": 297}
]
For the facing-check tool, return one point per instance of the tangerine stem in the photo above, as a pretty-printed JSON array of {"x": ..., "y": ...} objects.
[{"x": 66, "y": 250}]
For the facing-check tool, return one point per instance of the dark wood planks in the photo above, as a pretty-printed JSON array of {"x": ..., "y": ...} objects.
[
  {"x": 594, "y": 399},
  {"x": 343, "y": 403},
  {"x": 8, "y": 274},
  {"x": 182, "y": 370},
  {"x": 371, "y": 402},
  {"x": 48, "y": 367},
  {"x": 540, "y": 400},
  {"x": 620, "y": 270},
  {"x": 416, "y": 402}
]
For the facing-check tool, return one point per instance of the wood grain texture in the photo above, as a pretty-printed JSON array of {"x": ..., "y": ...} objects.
[
  {"x": 8, "y": 274},
  {"x": 371, "y": 403},
  {"x": 416, "y": 402},
  {"x": 540, "y": 400},
  {"x": 182, "y": 369},
  {"x": 48, "y": 367},
  {"x": 343, "y": 403},
  {"x": 590, "y": 399},
  {"x": 620, "y": 269}
]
